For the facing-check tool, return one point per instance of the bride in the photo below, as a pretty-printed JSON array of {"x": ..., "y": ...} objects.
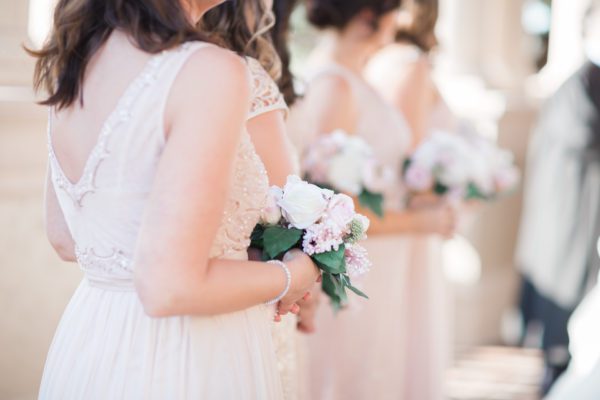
[{"x": 154, "y": 188}]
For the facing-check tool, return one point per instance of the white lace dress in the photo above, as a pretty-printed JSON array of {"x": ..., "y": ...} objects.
[
  {"x": 105, "y": 346},
  {"x": 266, "y": 98}
]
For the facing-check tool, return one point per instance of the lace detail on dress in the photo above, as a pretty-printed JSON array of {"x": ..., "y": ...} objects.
[
  {"x": 265, "y": 93},
  {"x": 115, "y": 264},
  {"x": 121, "y": 114},
  {"x": 247, "y": 196}
]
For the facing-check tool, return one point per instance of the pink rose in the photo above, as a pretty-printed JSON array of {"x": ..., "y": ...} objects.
[
  {"x": 340, "y": 211},
  {"x": 418, "y": 178}
]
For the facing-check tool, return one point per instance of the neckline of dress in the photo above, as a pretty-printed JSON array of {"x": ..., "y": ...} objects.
[{"x": 118, "y": 113}]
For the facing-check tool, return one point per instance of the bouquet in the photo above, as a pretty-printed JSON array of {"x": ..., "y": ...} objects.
[
  {"x": 323, "y": 225},
  {"x": 345, "y": 163},
  {"x": 460, "y": 166}
]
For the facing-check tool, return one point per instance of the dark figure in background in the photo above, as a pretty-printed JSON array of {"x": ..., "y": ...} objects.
[{"x": 561, "y": 216}]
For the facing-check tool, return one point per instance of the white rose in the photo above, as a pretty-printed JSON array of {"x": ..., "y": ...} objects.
[
  {"x": 345, "y": 173},
  {"x": 302, "y": 203},
  {"x": 271, "y": 213}
]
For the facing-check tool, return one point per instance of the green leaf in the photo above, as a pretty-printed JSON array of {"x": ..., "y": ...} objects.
[
  {"x": 372, "y": 201},
  {"x": 473, "y": 192},
  {"x": 256, "y": 238},
  {"x": 329, "y": 287},
  {"x": 277, "y": 240},
  {"x": 440, "y": 188},
  {"x": 332, "y": 262},
  {"x": 356, "y": 291}
]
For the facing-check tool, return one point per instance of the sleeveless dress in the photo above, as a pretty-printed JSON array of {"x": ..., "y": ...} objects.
[
  {"x": 266, "y": 98},
  {"x": 105, "y": 346},
  {"x": 359, "y": 353}
]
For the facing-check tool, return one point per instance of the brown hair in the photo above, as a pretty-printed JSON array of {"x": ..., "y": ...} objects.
[
  {"x": 243, "y": 26},
  {"x": 421, "y": 30},
  {"x": 338, "y": 13},
  {"x": 280, "y": 35},
  {"x": 81, "y": 27}
]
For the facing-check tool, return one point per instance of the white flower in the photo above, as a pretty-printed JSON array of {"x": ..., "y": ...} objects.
[
  {"x": 341, "y": 211},
  {"x": 345, "y": 173},
  {"x": 302, "y": 203},
  {"x": 271, "y": 213}
]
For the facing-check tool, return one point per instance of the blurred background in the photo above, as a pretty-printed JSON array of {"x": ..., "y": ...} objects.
[{"x": 498, "y": 60}]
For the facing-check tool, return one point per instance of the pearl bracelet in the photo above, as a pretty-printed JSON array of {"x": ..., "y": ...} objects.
[{"x": 288, "y": 282}]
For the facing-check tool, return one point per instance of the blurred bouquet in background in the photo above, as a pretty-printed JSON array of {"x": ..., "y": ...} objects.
[
  {"x": 345, "y": 163},
  {"x": 460, "y": 166},
  {"x": 323, "y": 225}
]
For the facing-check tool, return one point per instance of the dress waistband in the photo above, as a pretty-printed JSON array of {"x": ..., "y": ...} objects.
[{"x": 110, "y": 283}]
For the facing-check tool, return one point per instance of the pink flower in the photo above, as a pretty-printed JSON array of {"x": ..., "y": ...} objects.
[
  {"x": 322, "y": 237},
  {"x": 376, "y": 178},
  {"x": 340, "y": 211},
  {"x": 357, "y": 260},
  {"x": 506, "y": 179},
  {"x": 418, "y": 178}
]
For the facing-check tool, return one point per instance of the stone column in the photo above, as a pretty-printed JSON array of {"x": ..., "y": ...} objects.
[{"x": 566, "y": 43}]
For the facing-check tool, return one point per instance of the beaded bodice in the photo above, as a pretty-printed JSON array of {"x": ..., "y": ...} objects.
[{"x": 104, "y": 208}]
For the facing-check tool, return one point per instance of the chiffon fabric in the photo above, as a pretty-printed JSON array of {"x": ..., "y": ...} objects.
[
  {"x": 105, "y": 346},
  {"x": 360, "y": 353}
]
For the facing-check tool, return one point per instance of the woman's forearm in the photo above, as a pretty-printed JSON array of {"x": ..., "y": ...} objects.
[{"x": 225, "y": 286}]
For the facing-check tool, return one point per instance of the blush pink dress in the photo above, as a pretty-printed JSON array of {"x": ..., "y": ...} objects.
[
  {"x": 428, "y": 321},
  {"x": 360, "y": 353},
  {"x": 267, "y": 98},
  {"x": 105, "y": 346}
]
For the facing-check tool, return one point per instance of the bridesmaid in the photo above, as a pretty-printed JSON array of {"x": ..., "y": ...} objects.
[
  {"x": 157, "y": 209},
  {"x": 402, "y": 73},
  {"x": 239, "y": 27},
  {"x": 360, "y": 353}
]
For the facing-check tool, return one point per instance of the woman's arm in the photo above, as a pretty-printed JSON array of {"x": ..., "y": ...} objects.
[
  {"x": 440, "y": 220},
  {"x": 57, "y": 231},
  {"x": 273, "y": 146},
  {"x": 415, "y": 95},
  {"x": 331, "y": 103},
  {"x": 174, "y": 275}
]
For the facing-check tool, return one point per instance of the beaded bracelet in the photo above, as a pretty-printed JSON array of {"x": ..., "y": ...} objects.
[{"x": 288, "y": 282}]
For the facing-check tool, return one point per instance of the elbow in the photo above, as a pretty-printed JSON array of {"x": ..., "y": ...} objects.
[
  {"x": 63, "y": 248},
  {"x": 156, "y": 299}
]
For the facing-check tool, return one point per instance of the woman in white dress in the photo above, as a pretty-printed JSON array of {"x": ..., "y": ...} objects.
[
  {"x": 240, "y": 27},
  {"x": 402, "y": 73},
  {"x": 157, "y": 209},
  {"x": 360, "y": 352}
]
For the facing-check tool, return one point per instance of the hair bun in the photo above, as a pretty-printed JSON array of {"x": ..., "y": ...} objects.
[
  {"x": 338, "y": 13},
  {"x": 324, "y": 14}
]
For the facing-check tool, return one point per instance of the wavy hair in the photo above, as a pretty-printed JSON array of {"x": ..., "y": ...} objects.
[
  {"x": 244, "y": 27},
  {"x": 81, "y": 27},
  {"x": 421, "y": 30}
]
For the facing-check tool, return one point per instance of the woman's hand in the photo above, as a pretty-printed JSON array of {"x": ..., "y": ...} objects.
[
  {"x": 308, "y": 311},
  {"x": 304, "y": 275},
  {"x": 438, "y": 220}
]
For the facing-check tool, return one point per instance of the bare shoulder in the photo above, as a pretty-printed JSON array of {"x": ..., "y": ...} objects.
[
  {"x": 332, "y": 85},
  {"x": 211, "y": 66}
]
